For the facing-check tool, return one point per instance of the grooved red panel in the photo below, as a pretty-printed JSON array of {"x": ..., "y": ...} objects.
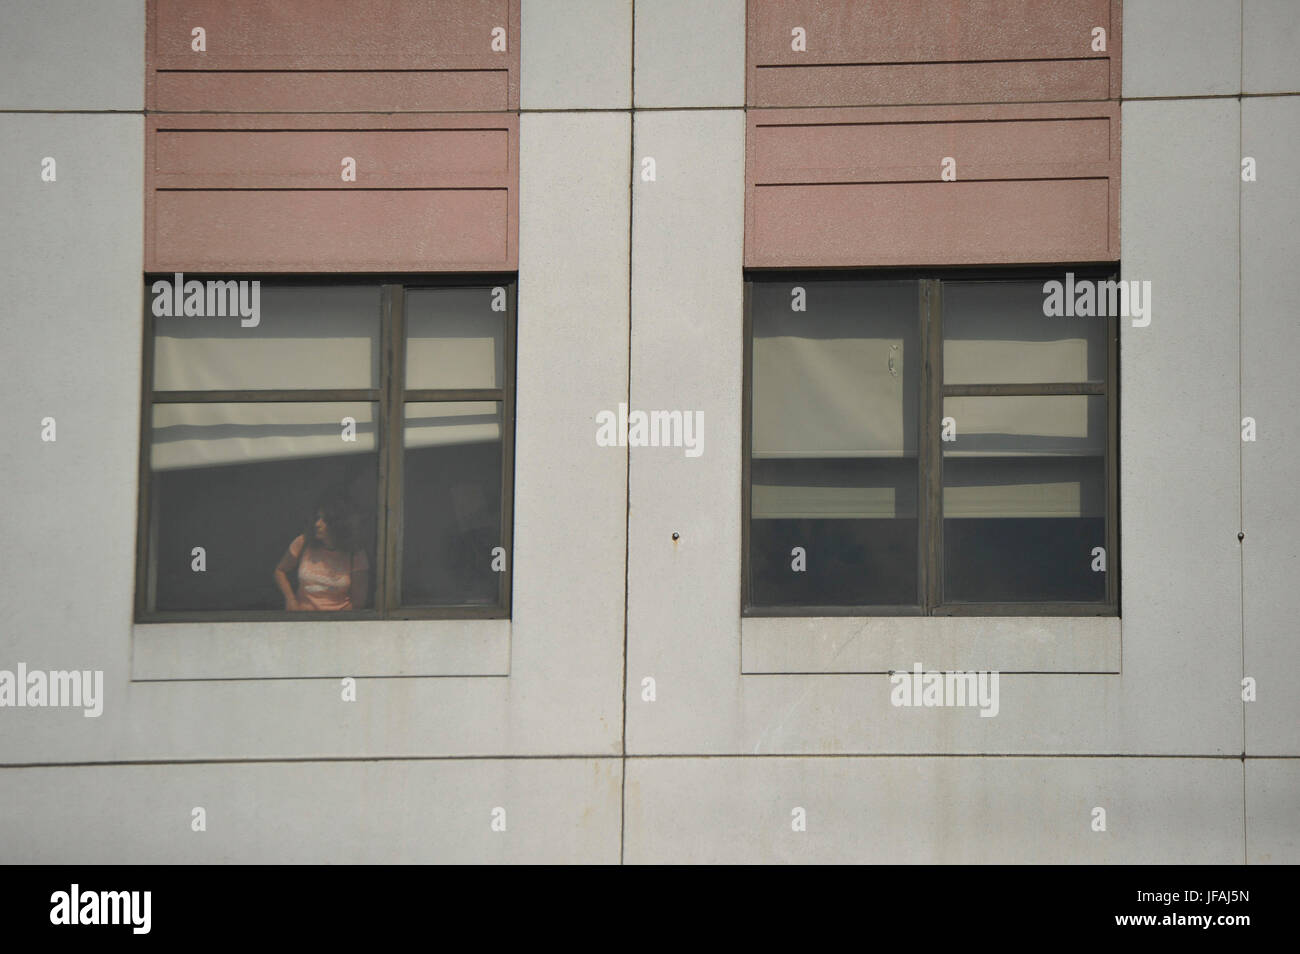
[
  {"x": 846, "y": 138},
  {"x": 306, "y": 91},
  {"x": 371, "y": 230},
  {"x": 866, "y": 52},
  {"x": 332, "y": 55},
  {"x": 884, "y": 150},
  {"x": 901, "y": 84},
  {"x": 245, "y": 192},
  {"x": 862, "y": 187},
  {"x": 921, "y": 223},
  {"x": 385, "y": 158},
  {"x": 245, "y": 140}
]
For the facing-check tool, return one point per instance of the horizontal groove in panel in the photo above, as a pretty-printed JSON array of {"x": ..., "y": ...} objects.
[
  {"x": 384, "y": 158},
  {"x": 930, "y": 173}
]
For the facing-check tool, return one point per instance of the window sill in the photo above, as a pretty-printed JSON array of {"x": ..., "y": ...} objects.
[
  {"x": 881, "y": 644},
  {"x": 306, "y": 650}
]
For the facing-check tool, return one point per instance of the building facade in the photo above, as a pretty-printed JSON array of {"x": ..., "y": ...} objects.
[{"x": 640, "y": 670}]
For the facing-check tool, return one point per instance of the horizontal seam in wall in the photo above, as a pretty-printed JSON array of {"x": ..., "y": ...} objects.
[
  {"x": 894, "y": 672},
  {"x": 613, "y": 109},
  {"x": 1035, "y": 102},
  {"x": 1159, "y": 99},
  {"x": 648, "y": 757},
  {"x": 373, "y": 112},
  {"x": 632, "y": 109},
  {"x": 962, "y": 755},
  {"x": 336, "y": 676}
]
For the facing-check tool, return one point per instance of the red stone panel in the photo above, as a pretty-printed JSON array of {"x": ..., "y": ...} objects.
[
  {"x": 1035, "y": 183},
  {"x": 266, "y": 193},
  {"x": 331, "y": 55},
  {"x": 893, "y": 52},
  {"x": 331, "y": 230}
]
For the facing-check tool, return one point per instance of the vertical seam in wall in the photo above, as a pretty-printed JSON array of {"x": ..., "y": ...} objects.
[
  {"x": 1241, "y": 401},
  {"x": 627, "y": 488}
]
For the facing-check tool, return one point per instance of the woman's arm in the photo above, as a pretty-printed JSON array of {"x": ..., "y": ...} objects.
[{"x": 287, "y": 564}]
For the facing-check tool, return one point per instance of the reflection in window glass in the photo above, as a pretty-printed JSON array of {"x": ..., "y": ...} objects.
[
  {"x": 307, "y": 337},
  {"x": 1024, "y": 498},
  {"x": 356, "y": 494},
  {"x": 835, "y": 390},
  {"x": 996, "y": 333},
  {"x": 243, "y": 481},
  {"x": 451, "y": 512},
  {"x": 454, "y": 337}
]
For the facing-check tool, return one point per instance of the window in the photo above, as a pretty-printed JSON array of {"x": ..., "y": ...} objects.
[
  {"x": 353, "y": 434},
  {"x": 927, "y": 445}
]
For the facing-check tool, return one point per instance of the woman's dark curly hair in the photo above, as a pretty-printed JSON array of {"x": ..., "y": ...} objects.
[{"x": 340, "y": 519}]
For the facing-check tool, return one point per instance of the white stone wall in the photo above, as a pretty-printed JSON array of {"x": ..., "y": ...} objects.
[{"x": 632, "y": 291}]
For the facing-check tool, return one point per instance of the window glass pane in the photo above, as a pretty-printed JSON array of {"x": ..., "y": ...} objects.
[
  {"x": 454, "y": 339},
  {"x": 996, "y": 333},
  {"x": 318, "y": 337},
  {"x": 834, "y": 444},
  {"x": 855, "y": 521},
  {"x": 1024, "y": 498},
  {"x": 244, "y": 481},
  {"x": 840, "y": 378},
  {"x": 451, "y": 511}
]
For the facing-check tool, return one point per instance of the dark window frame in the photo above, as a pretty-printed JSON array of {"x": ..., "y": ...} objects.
[
  {"x": 391, "y": 397},
  {"x": 930, "y": 451}
]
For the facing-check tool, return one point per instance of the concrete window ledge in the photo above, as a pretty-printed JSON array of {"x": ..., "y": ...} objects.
[
  {"x": 878, "y": 644},
  {"x": 306, "y": 650}
]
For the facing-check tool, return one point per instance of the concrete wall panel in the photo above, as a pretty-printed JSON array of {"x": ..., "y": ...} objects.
[
  {"x": 1270, "y": 37},
  {"x": 69, "y": 54},
  {"x": 1270, "y": 217},
  {"x": 577, "y": 54},
  {"x": 690, "y": 53},
  {"x": 950, "y": 811},
  {"x": 1185, "y": 47},
  {"x": 1180, "y": 432},
  {"x": 1273, "y": 811},
  {"x": 420, "y": 812}
]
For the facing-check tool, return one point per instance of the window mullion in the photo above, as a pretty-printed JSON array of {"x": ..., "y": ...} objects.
[
  {"x": 298, "y": 396},
  {"x": 455, "y": 395},
  {"x": 391, "y": 453},
  {"x": 1112, "y": 462},
  {"x": 932, "y": 464},
  {"x": 747, "y": 446},
  {"x": 1053, "y": 388},
  {"x": 146, "y": 523},
  {"x": 383, "y": 437},
  {"x": 922, "y": 452},
  {"x": 505, "y": 587}
]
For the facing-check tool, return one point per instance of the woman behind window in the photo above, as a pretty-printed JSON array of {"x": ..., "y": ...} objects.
[{"x": 333, "y": 572}]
